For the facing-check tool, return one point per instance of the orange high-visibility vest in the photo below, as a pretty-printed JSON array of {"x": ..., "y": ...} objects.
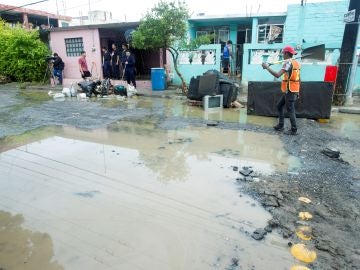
[{"x": 292, "y": 82}]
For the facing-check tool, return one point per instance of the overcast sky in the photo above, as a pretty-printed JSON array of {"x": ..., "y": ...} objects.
[{"x": 134, "y": 9}]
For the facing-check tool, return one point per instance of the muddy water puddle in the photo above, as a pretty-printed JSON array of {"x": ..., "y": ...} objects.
[{"x": 134, "y": 197}]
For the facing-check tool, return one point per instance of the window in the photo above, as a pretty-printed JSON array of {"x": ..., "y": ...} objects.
[
  {"x": 223, "y": 36},
  {"x": 64, "y": 24},
  {"x": 221, "y": 33},
  {"x": 270, "y": 33},
  {"x": 74, "y": 46},
  {"x": 201, "y": 33},
  {"x": 248, "y": 35}
]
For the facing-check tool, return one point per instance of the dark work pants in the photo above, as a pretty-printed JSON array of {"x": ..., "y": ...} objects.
[
  {"x": 115, "y": 71},
  {"x": 130, "y": 76},
  {"x": 107, "y": 69},
  {"x": 289, "y": 100}
]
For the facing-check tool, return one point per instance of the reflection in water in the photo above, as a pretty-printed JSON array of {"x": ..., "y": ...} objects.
[
  {"x": 141, "y": 198},
  {"x": 167, "y": 152},
  {"x": 347, "y": 125},
  {"x": 22, "y": 249}
]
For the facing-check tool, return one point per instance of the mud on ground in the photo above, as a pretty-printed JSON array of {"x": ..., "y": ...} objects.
[{"x": 333, "y": 185}]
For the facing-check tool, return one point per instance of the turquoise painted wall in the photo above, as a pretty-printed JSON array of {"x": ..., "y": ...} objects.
[
  {"x": 305, "y": 26},
  {"x": 189, "y": 71}
]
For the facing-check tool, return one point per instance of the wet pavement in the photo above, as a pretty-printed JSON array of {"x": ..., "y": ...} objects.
[
  {"x": 142, "y": 184},
  {"x": 131, "y": 199}
]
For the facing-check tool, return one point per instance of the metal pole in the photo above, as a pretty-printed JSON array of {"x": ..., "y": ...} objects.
[{"x": 351, "y": 83}]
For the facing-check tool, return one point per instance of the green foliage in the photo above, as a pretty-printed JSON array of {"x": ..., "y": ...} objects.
[
  {"x": 162, "y": 27},
  {"x": 197, "y": 42},
  {"x": 22, "y": 53},
  {"x": 165, "y": 27}
]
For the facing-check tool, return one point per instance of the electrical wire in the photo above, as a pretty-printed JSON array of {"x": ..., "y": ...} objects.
[{"x": 2, "y": 11}]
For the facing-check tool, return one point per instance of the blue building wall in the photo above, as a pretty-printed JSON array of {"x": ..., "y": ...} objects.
[
  {"x": 190, "y": 70},
  {"x": 305, "y": 26}
]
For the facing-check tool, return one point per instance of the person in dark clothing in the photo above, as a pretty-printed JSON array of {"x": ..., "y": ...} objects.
[
  {"x": 290, "y": 87},
  {"x": 58, "y": 67},
  {"x": 115, "y": 62},
  {"x": 130, "y": 68},
  {"x": 106, "y": 63}
]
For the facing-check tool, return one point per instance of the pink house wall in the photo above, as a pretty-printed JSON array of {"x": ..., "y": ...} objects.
[{"x": 91, "y": 41}]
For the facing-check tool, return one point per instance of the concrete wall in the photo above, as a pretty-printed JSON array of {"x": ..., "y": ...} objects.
[
  {"x": 91, "y": 41},
  {"x": 190, "y": 70},
  {"x": 305, "y": 26}
]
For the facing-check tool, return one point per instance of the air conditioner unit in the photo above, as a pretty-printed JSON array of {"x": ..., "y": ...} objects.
[{"x": 212, "y": 102}]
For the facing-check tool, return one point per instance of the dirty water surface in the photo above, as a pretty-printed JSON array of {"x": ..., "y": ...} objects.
[{"x": 131, "y": 196}]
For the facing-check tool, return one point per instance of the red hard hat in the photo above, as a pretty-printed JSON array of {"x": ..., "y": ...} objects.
[{"x": 289, "y": 49}]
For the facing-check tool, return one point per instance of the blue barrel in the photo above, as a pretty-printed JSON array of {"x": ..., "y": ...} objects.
[{"x": 158, "y": 79}]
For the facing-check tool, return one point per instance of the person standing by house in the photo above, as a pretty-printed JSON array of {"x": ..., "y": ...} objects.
[
  {"x": 290, "y": 88},
  {"x": 123, "y": 58},
  {"x": 58, "y": 67},
  {"x": 83, "y": 67},
  {"x": 130, "y": 68},
  {"x": 227, "y": 54},
  {"x": 115, "y": 62},
  {"x": 106, "y": 63}
]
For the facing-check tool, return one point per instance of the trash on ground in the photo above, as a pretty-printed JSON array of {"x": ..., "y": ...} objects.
[
  {"x": 304, "y": 200},
  {"x": 305, "y": 216},
  {"x": 299, "y": 267},
  {"x": 59, "y": 96},
  {"x": 302, "y": 253},
  {"x": 331, "y": 152},
  {"x": 66, "y": 92},
  {"x": 259, "y": 234},
  {"x": 304, "y": 233}
]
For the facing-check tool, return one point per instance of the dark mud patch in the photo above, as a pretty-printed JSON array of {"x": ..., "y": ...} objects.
[
  {"x": 24, "y": 249},
  {"x": 333, "y": 189}
]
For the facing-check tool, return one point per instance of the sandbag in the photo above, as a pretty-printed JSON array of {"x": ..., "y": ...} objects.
[
  {"x": 193, "y": 92},
  {"x": 229, "y": 92}
]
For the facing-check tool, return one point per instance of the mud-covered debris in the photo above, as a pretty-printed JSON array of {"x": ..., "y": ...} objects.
[
  {"x": 268, "y": 229},
  {"x": 258, "y": 234},
  {"x": 304, "y": 233},
  {"x": 302, "y": 223},
  {"x": 270, "y": 201},
  {"x": 303, "y": 253},
  {"x": 212, "y": 124},
  {"x": 331, "y": 152},
  {"x": 304, "y": 200},
  {"x": 234, "y": 262},
  {"x": 246, "y": 172},
  {"x": 305, "y": 216},
  {"x": 328, "y": 246},
  {"x": 286, "y": 233},
  {"x": 274, "y": 223}
]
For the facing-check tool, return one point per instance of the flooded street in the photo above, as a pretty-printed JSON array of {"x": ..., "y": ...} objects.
[
  {"x": 151, "y": 183},
  {"x": 140, "y": 198}
]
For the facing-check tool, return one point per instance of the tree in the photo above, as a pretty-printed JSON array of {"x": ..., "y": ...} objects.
[
  {"x": 165, "y": 27},
  {"x": 22, "y": 53}
]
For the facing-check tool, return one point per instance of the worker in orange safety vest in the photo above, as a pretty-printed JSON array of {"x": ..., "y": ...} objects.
[{"x": 290, "y": 87}]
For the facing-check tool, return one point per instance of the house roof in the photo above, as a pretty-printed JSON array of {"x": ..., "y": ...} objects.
[
  {"x": 16, "y": 10},
  {"x": 204, "y": 17},
  {"x": 97, "y": 26}
]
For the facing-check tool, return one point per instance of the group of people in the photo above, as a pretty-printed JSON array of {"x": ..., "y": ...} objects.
[
  {"x": 114, "y": 63},
  {"x": 290, "y": 73}
]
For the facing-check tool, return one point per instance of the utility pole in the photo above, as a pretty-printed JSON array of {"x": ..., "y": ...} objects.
[{"x": 347, "y": 51}]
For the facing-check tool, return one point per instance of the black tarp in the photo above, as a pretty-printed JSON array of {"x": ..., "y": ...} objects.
[{"x": 314, "y": 100}]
